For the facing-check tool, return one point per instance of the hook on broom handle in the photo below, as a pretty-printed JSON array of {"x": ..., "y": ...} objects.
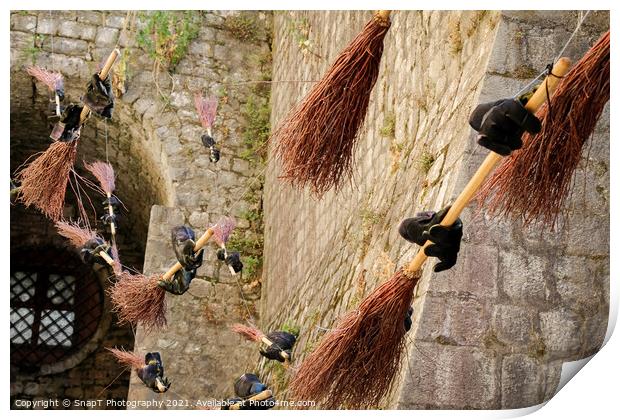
[
  {"x": 102, "y": 75},
  {"x": 200, "y": 243},
  {"x": 560, "y": 68}
]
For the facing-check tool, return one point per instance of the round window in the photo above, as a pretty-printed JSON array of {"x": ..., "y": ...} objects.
[{"x": 56, "y": 306}]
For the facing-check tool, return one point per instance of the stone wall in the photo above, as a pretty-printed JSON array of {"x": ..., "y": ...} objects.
[
  {"x": 154, "y": 145},
  {"x": 493, "y": 331},
  {"x": 490, "y": 333}
]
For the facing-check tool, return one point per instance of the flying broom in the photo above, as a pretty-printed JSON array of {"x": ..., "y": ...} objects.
[
  {"x": 278, "y": 343},
  {"x": 138, "y": 299},
  {"x": 207, "y": 109},
  {"x": 104, "y": 173},
  {"x": 81, "y": 237},
  {"x": 44, "y": 180},
  {"x": 316, "y": 141},
  {"x": 355, "y": 364},
  {"x": 53, "y": 80},
  {"x": 149, "y": 368},
  {"x": 533, "y": 183}
]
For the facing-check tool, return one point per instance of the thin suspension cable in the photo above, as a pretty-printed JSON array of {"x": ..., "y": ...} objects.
[{"x": 582, "y": 18}]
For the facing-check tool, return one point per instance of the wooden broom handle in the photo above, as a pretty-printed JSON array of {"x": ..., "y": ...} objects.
[
  {"x": 258, "y": 397},
  {"x": 269, "y": 343},
  {"x": 111, "y": 213},
  {"x": 200, "y": 243},
  {"x": 107, "y": 258},
  {"x": 384, "y": 14},
  {"x": 560, "y": 68},
  {"x": 102, "y": 75}
]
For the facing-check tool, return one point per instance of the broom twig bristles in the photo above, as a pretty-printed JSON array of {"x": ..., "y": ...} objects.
[
  {"x": 137, "y": 299},
  {"x": 315, "y": 143},
  {"x": 248, "y": 332},
  {"x": 104, "y": 173},
  {"x": 207, "y": 109},
  {"x": 534, "y": 182},
  {"x": 53, "y": 80},
  {"x": 354, "y": 364},
  {"x": 44, "y": 180},
  {"x": 76, "y": 234},
  {"x": 128, "y": 358},
  {"x": 223, "y": 229}
]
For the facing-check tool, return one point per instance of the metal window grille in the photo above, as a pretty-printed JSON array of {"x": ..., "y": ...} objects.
[{"x": 56, "y": 305}]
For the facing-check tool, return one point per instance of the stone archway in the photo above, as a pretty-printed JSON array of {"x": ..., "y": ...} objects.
[{"x": 140, "y": 184}]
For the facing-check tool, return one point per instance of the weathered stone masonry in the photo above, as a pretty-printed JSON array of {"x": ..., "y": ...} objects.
[
  {"x": 164, "y": 177},
  {"x": 492, "y": 332}
]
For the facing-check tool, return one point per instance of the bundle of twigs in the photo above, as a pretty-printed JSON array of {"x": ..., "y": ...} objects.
[
  {"x": 222, "y": 230},
  {"x": 44, "y": 180},
  {"x": 206, "y": 106},
  {"x": 534, "y": 182},
  {"x": 316, "y": 141},
  {"x": 137, "y": 298},
  {"x": 355, "y": 364},
  {"x": 104, "y": 173},
  {"x": 53, "y": 80},
  {"x": 78, "y": 236},
  {"x": 129, "y": 359},
  {"x": 252, "y": 333}
]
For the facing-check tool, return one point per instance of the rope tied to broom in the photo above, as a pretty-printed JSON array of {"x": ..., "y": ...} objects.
[{"x": 533, "y": 184}]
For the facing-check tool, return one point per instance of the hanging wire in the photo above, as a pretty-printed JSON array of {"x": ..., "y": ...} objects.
[{"x": 582, "y": 18}]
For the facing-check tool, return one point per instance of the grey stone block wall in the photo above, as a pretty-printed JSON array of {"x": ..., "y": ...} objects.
[
  {"x": 494, "y": 331},
  {"x": 202, "y": 357},
  {"x": 156, "y": 150}
]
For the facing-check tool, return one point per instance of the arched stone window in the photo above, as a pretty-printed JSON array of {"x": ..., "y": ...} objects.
[{"x": 57, "y": 305}]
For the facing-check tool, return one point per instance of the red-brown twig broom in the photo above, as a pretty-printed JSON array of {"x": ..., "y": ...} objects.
[
  {"x": 79, "y": 237},
  {"x": 137, "y": 298},
  {"x": 104, "y": 173},
  {"x": 355, "y": 364},
  {"x": 221, "y": 234},
  {"x": 149, "y": 368},
  {"x": 53, "y": 80},
  {"x": 316, "y": 141},
  {"x": 533, "y": 183},
  {"x": 277, "y": 343},
  {"x": 207, "y": 109},
  {"x": 44, "y": 181},
  {"x": 129, "y": 359}
]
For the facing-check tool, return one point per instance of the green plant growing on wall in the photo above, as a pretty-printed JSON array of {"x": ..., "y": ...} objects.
[
  {"x": 370, "y": 219},
  {"x": 256, "y": 132},
  {"x": 243, "y": 27},
  {"x": 167, "y": 35},
  {"x": 396, "y": 150},
  {"x": 32, "y": 52},
  {"x": 455, "y": 39},
  {"x": 426, "y": 161},
  {"x": 290, "y": 328},
  {"x": 299, "y": 29},
  {"x": 389, "y": 125}
]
